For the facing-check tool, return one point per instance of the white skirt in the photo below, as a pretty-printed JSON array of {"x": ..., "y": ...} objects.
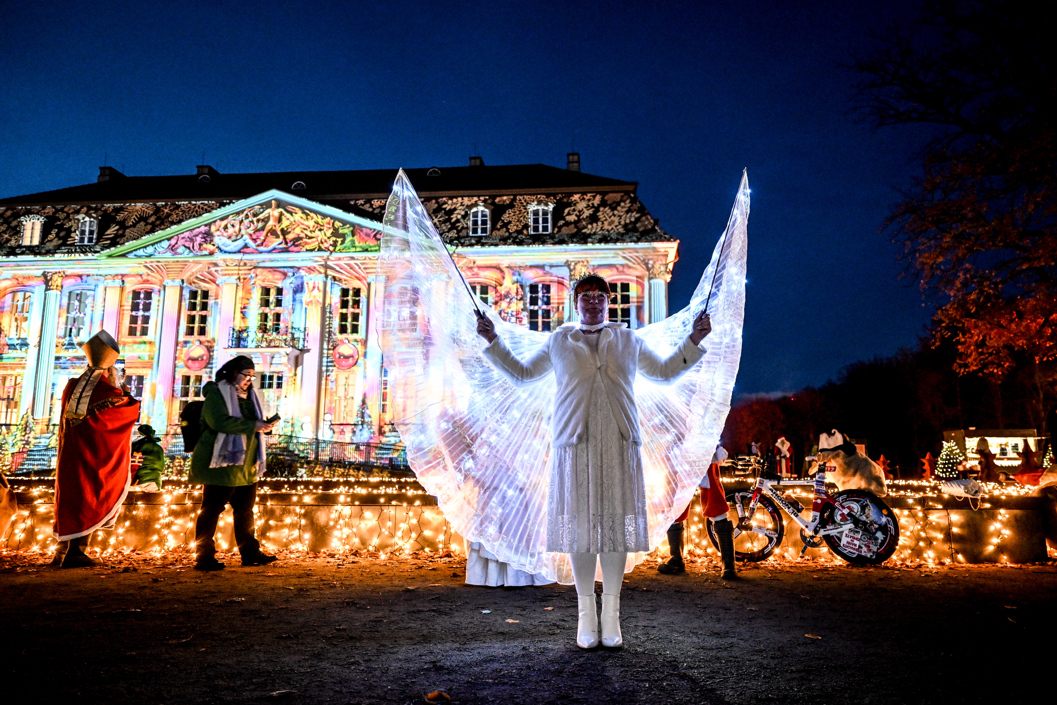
[{"x": 597, "y": 498}]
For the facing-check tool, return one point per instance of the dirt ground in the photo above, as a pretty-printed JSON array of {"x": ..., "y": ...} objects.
[{"x": 359, "y": 629}]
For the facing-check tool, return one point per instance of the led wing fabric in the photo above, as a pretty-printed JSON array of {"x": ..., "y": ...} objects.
[{"x": 481, "y": 445}]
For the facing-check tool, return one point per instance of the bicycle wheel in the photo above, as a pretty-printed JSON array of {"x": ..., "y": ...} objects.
[
  {"x": 755, "y": 537},
  {"x": 872, "y": 530}
]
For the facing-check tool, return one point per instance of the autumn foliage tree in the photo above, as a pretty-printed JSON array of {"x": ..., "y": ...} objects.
[{"x": 980, "y": 224}]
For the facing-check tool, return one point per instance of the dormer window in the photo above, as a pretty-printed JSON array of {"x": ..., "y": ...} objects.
[
  {"x": 298, "y": 186},
  {"x": 479, "y": 221},
  {"x": 87, "y": 229},
  {"x": 32, "y": 225},
  {"x": 540, "y": 218}
]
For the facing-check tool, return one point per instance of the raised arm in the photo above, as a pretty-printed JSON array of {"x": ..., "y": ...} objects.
[
  {"x": 653, "y": 366},
  {"x": 519, "y": 372}
]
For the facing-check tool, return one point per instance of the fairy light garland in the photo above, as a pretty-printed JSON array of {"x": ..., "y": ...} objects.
[{"x": 365, "y": 516}]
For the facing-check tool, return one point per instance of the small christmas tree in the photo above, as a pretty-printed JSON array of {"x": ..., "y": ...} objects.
[
  {"x": 362, "y": 428},
  {"x": 950, "y": 458}
]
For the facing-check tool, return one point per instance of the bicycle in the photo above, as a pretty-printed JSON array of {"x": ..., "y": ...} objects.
[{"x": 854, "y": 524}]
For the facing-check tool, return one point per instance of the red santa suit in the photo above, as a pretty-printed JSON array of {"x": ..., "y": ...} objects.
[{"x": 92, "y": 473}]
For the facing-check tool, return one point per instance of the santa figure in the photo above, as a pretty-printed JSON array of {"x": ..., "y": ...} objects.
[
  {"x": 783, "y": 450},
  {"x": 92, "y": 473}
]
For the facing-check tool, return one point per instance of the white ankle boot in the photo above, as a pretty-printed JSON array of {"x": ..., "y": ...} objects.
[
  {"x": 611, "y": 621},
  {"x": 587, "y": 622}
]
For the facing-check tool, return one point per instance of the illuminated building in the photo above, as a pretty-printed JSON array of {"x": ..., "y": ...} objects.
[{"x": 188, "y": 271}]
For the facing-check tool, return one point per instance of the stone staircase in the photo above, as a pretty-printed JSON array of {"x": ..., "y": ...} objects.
[{"x": 40, "y": 458}]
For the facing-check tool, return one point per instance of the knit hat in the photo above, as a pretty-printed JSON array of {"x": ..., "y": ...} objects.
[{"x": 230, "y": 369}]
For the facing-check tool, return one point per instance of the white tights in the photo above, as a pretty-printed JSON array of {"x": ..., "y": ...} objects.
[{"x": 584, "y": 565}]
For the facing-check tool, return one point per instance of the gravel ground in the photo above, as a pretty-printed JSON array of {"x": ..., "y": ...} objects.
[{"x": 360, "y": 629}]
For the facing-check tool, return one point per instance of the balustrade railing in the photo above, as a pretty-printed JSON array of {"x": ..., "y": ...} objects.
[{"x": 267, "y": 338}]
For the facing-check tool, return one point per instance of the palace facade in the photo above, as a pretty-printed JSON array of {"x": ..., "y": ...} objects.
[{"x": 189, "y": 271}]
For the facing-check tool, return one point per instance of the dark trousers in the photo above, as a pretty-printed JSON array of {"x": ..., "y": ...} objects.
[{"x": 214, "y": 499}]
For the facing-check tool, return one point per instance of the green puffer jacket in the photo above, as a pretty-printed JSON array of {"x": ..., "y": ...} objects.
[
  {"x": 153, "y": 463},
  {"x": 215, "y": 419}
]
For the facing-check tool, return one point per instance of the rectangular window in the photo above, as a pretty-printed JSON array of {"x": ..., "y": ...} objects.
[
  {"x": 539, "y": 307},
  {"x": 384, "y": 400},
  {"x": 350, "y": 308},
  {"x": 270, "y": 380},
  {"x": 483, "y": 291},
  {"x": 539, "y": 220},
  {"x": 10, "y": 397},
  {"x": 20, "y": 302},
  {"x": 190, "y": 389},
  {"x": 135, "y": 385},
  {"x": 76, "y": 314},
  {"x": 86, "y": 231},
  {"x": 139, "y": 313},
  {"x": 620, "y": 303},
  {"x": 31, "y": 229},
  {"x": 196, "y": 319},
  {"x": 270, "y": 312}
]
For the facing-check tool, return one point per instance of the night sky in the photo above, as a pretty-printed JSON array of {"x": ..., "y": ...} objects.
[{"x": 679, "y": 97}]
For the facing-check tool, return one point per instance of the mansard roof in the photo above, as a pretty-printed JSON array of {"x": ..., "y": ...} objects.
[{"x": 585, "y": 208}]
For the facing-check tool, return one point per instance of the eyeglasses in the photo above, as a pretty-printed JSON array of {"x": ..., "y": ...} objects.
[
  {"x": 250, "y": 376},
  {"x": 594, "y": 298}
]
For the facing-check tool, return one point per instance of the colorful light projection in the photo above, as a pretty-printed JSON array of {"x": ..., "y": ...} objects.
[{"x": 275, "y": 227}]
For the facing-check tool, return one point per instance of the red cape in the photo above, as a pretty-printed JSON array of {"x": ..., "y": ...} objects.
[{"x": 92, "y": 472}]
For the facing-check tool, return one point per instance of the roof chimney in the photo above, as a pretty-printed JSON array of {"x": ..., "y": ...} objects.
[
  {"x": 476, "y": 161},
  {"x": 108, "y": 173},
  {"x": 573, "y": 163}
]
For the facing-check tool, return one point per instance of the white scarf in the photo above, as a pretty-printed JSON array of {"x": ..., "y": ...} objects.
[{"x": 231, "y": 449}]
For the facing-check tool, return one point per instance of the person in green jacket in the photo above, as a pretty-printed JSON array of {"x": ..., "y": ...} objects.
[
  {"x": 228, "y": 460},
  {"x": 151, "y": 457}
]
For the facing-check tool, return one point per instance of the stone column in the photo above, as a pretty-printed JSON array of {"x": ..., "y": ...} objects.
[
  {"x": 98, "y": 300},
  {"x": 112, "y": 306},
  {"x": 577, "y": 270},
  {"x": 225, "y": 321},
  {"x": 32, "y": 334},
  {"x": 373, "y": 362},
  {"x": 658, "y": 290},
  {"x": 49, "y": 326},
  {"x": 312, "y": 366},
  {"x": 166, "y": 336}
]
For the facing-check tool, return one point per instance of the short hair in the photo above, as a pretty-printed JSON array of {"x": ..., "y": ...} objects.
[{"x": 591, "y": 282}]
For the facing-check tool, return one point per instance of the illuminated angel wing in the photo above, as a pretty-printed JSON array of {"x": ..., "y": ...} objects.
[
  {"x": 481, "y": 445},
  {"x": 476, "y": 442},
  {"x": 681, "y": 423}
]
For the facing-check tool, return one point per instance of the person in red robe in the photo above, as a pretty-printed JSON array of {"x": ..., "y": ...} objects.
[{"x": 92, "y": 474}]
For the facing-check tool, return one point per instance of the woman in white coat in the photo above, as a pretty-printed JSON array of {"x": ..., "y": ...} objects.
[{"x": 596, "y": 506}]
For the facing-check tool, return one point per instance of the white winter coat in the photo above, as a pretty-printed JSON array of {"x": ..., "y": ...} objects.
[{"x": 621, "y": 353}]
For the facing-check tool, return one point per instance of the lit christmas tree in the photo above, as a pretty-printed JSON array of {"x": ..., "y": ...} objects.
[
  {"x": 362, "y": 428},
  {"x": 950, "y": 457}
]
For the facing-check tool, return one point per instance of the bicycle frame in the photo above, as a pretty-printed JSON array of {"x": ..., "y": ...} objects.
[{"x": 819, "y": 502}]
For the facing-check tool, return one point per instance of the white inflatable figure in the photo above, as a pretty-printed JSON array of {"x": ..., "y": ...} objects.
[
  {"x": 854, "y": 471},
  {"x": 482, "y": 446}
]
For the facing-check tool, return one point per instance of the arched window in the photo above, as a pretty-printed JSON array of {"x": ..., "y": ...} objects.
[
  {"x": 479, "y": 221},
  {"x": 540, "y": 218},
  {"x": 78, "y": 305},
  {"x": 141, "y": 306},
  {"x": 87, "y": 230},
  {"x": 17, "y": 313}
]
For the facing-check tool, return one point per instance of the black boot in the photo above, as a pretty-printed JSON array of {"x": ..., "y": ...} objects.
[
  {"x": 675, "y": 564},
  {"x": 60, "y": 554},
  {"x": 725, "y": 533},
  {"x": 76, "y": 557}
]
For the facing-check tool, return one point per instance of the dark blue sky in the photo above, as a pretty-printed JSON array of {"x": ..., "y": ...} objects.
[{"x": 677, "y": 96}]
